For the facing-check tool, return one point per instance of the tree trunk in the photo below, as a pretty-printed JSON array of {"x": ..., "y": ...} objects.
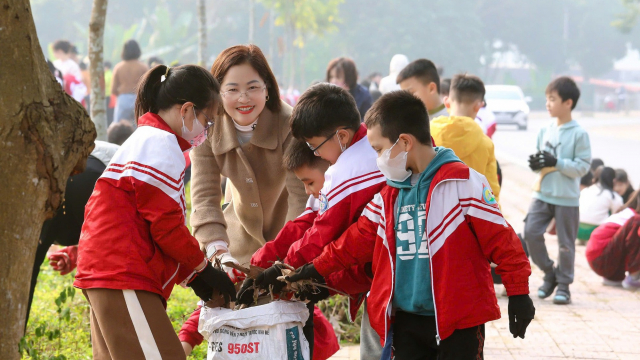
[
  {"x": 272, "y": 38},
  {"x": 96, "y": 67},
  {"x": 44, "y": 136},
  {"x": 252, "y": 19},
  {"x": 202, "y": 33}
]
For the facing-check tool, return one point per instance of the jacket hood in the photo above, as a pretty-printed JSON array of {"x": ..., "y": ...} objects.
[
  {"x": 460, "y": 130},
  {"x": 443, "y": 156},
  {"x": 398, "y": 62}
]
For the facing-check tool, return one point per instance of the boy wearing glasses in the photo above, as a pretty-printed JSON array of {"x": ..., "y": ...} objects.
[{"x": 326, "y": 118}]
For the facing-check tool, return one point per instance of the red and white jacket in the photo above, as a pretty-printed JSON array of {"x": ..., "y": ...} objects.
[
  {"x": 466, "y": 232},
  {"x": 134, "y": 234},
  {"x": 349, "y": 185}
]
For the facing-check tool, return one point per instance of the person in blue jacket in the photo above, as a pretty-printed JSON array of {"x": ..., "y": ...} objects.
[{"x": 562, "y": 158}]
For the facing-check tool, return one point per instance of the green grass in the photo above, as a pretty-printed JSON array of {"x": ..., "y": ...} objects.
[{"x": 74, "y": 340}]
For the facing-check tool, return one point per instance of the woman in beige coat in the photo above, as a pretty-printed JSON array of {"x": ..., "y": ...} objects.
[{"x": 246, "y": 145}]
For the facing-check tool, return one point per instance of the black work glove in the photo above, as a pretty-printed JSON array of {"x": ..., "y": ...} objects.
[
  {"x": 534, "y": 161},
  {"x": 521, "y": 312},
  {"x": 210, "y": 279},
  {"x": 245, "y": 295},
  {"x": 313, "y": 294},
  {"x": 547, "y": 159},
  {"x": 270, "y": 277},
  {"x": 306, "y": 272}
]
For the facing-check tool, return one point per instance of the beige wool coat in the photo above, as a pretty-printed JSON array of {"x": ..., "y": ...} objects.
[{"x": 261, "y": 195}]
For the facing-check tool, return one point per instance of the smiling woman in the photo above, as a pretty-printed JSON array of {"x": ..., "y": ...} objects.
[{"x": 246, "y": 144}]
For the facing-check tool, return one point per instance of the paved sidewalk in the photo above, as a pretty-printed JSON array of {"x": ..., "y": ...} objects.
[{"x": 601, "y": 323}]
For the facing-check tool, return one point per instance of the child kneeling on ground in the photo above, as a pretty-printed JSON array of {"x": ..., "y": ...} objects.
[{"x": 431, "y": 234}]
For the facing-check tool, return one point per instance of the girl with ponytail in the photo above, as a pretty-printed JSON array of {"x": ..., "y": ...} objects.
[
  {"x": 134, "y": 244},
  {"x": 597, "y": 202}
]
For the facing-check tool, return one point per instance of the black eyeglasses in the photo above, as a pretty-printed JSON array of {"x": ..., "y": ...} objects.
[
  {"x": 315, "y": 151},
  {"x": 209, "y": 121}
]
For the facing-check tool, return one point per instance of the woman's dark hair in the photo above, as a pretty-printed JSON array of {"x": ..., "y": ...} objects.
[
  {"x": 181, "y": 84},
  {"x": 348, "y": 69},
  {"x": 252, "y": 55},
  {"x": 131, "y": 50},
  {"x": 606, "y": 180},
  {"x": 632, "y": 203}
]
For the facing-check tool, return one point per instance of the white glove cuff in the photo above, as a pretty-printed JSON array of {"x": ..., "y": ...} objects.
[{"x": 214, "y": 246}]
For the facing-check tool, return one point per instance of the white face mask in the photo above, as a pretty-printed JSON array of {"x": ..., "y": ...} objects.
[
  {"x": 394, "y": 169},
  {"x": 197, "y": 129}
]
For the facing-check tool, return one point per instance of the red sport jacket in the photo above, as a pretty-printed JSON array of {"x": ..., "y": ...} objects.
[
  {"x": 349, "y": 185},
  {"x": 465, "y": 231},
  {"x": 134, "y": 234}
]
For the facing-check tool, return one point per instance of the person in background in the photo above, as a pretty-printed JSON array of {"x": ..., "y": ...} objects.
[
  {"x": 108, "y": 81},
  {"x": 445, "y": 86},
  {"x": 486, "y": 119},
  {"x": 586, "y": 181},
  {"x": 597, "y": 203},
  {"x": 563, "y": 155},
  {"x": 614, "y": 248},
  {"x": 600, "y": 250},
  {"x": 154, "y": 60},
  {"x": 621, "y": 185},
  {"x": 374, "y": 81},
  {"x": 118, "y": 133},
  {"x": 63, "y": 62},
  {"x": 342, "y": 72},
  {"x": 421, "y": 79},
  {"x": 461, "y": 133},
  {"x": 74, "y": 54},
  {"x": 389, "y": 83},
  {"x": 126, "y": 75}
]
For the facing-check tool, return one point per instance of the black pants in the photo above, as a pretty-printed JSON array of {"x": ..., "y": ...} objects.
[
  {"x": 307, "y": 330},
  {"x": 414, "y": 338}
]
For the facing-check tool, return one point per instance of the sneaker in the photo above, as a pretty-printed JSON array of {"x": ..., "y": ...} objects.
[
  {"x": 548, "y": 285},
  {"x": 607, "y": 282},
  {"x": 630, "y": 283},
  {"x": 563, "y": 296}
]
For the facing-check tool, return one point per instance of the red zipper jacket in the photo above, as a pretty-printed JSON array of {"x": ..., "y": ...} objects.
[
  {"x": 134, "y": 234},
  {"x": 465, "y": 230}
]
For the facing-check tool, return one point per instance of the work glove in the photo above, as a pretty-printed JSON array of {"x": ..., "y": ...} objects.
[
  {"x": 534, "y": 161},
  {"x": 270, "y": 277},
  {"x": 64, "y": 260},
  {"x": 306, "y": 272},
  {"x": 245, "y": 295},
  {"x": 313, "y": 294},
  {"x": 547, "y": 159},
  {"x": 205, "y": 281},
  {"x": 521, "y": 312}
]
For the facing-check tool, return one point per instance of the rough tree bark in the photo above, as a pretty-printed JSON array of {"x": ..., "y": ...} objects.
[
  {"x": 96, "y": 70},
  {"x": 44, "y": 136},
  {"x": 202, "y": 33}
]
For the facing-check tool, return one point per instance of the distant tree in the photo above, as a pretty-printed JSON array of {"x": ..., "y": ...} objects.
[
  {"x": 96, "y": 67},
  {"x": 626, "y": 20},
  {"x": 202, "y": 33},
  {"x": 301, "y": 19}
]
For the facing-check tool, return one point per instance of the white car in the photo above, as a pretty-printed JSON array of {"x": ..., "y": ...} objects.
[{"x": 509, "y": 104}]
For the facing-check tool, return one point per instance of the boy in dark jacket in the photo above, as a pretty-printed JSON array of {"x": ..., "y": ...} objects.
[{"x": 435, "y": 223}]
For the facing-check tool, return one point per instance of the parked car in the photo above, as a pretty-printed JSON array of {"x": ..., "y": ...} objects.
[{"x": 509, "y": 104}]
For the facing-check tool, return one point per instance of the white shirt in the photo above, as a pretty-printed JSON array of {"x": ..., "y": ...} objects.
[
  {"x": 596, "y": 204},
  {"x": 68, "y": 67}
]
